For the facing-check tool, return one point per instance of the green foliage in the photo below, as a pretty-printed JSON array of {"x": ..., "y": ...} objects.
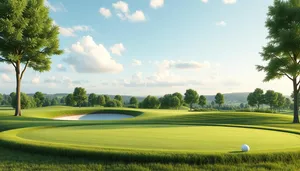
[
  {"x": 27, "y": 36},
  {"x": 70, "y": 100},
  {"x": 80, "y": 96},
  {"x": 219, "y": 99},
  {"x": 93, "y": 99},
  {"x": 26, "y": 101},
  {"x": 271, "y": 98},
  {"x": 119, "y": 98},
  {"x": 180, "y": 97},
  {"x": 287, "y": 103},
  {"x": 175, "y": 102},
  {"x": 133, "y": 101},
  {"x": 191, "y": 97},
  {"x": 256, "y": 98},
  {"x": 150, "y": 102},
  {"x": 54, "y": 101},
  {"x": 111, "y": 103},
  {"x": 1, "y": 98},
  {"x": 202, "y": 101},
  {"x": 282, "y": 51},
  {"x": 280, "y": 103},
  {"x": 101, "y": 100},
  {"x": 47, "y": 102},
  {"x": 107, "y": 98},
  {"x": 39, "y": 99},
  {"x": 63, "y": 100}
]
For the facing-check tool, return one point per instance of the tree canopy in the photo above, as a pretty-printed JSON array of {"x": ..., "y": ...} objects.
[
  {"x": 27, "y": 36},
  {"x": 219, "y": 99},
  {"x": 190, "y": 97},
  {"x": 80, "y": 96},
  {"x": 282, "y": 52},
  {"x": 202, "y": 101}
]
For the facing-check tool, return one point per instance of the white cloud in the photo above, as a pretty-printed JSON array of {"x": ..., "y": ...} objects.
[
  {"x": 169, "y": 64},
  {"x": 105, "y": 12},
  {"x": 159, "y": 79},
  {"x": 35, "y": 80},
  {"x": 88, "y": 57},
  {"x": 229, "y": 1},
  {"x": 221, "y": 23},
  {"x": 55, "y": 8},
  {"x": 122, "y": 6},
  {"x": 5, "y": 78},
  {"x": 61, "y": 68},
  {"x": 81, "y": 28},
  {"x": 117, "y": 49},
  {"x": 204, "y": 1},
  {"x": 136, "y": 62},
  {"x": 70, "y": 31},
  {"x": 137, "y": 16},
  {"x": 157, "y": 3},
  {"x": 123, "y": 12}
]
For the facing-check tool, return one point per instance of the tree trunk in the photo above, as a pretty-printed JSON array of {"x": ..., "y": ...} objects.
[
  {"x": 18, "y": 90},
  {"x": 191, "y": 105},
  {"x": 296, "y": 106}
]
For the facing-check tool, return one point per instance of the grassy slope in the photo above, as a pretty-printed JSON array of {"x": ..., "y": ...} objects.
[{"x": 38, "y": 117}]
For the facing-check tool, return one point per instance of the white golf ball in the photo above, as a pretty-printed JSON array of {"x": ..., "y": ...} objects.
[{"x": 245, "y": 148}]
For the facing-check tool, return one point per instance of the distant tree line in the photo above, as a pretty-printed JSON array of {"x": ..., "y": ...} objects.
[
  {"x": 274, "y": 100},
  {"x": 190, "y": 99}
]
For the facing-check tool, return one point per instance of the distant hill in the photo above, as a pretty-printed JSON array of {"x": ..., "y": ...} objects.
[{"x": 231, "y": 98}]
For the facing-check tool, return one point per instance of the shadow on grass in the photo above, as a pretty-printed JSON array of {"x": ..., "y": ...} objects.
[{"x": 235, "y": 152}]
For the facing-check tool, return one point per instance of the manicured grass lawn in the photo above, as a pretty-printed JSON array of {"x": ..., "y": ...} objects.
[
  {"x": 154, "y": 140},
  {"x": 208, "y": 139}
]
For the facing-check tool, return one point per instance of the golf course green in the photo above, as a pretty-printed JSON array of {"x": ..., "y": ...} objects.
[
  {"x": 208, "y": 139},
  {"x": 172, "y": 139}
]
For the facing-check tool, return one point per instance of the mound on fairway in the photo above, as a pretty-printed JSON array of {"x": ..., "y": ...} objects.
[
  {"x": 205, "y": 139},
  {"x": 101, "y": 116}
]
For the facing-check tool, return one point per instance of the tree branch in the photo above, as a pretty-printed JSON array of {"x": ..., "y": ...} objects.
[
  {"x": 13, "y": 64},
  {"x": 24, "y": 69},
  {"x": 288, "y": 76}
]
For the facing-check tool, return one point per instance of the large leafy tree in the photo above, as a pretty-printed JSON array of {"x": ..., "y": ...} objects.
[
  {"x": 202, "y": 101},
  {"x": 39, "y": 98},
  {"x": 175, "y": 102},
  {"x": 151, "y": 102},
  {"x": 101, "y": 100},
  {"x": 271, "y": 98},
  {"x": 280, "y": 103},
  {"x": 93, "y": 99},
  {"x": 251, "y": 100},
  {"x": 118, "y": 97},
  {"x": 80, "y": 96},
  {"x": 191, "y": 97},
  {"x": 70, "y": 100},
  {"x": 219, "y": 99},
  {"x": 180, "y": 97},
  {"x": 27, "y": 36},
  {"x": 283, "y": 49},
  {"x": 256, "y": 98},
  {"x": 134, "y": 101},
  {"x": 107, "y": 98}
]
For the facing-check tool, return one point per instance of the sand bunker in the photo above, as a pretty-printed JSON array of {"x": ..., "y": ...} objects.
[{"x": 95, "y": 117}]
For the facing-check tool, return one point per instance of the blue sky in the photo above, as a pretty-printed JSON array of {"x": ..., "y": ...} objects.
[{"x": 154, "y": 47}]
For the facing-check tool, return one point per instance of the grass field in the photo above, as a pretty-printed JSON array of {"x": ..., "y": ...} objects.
[{"x": 154, "y": 140}]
